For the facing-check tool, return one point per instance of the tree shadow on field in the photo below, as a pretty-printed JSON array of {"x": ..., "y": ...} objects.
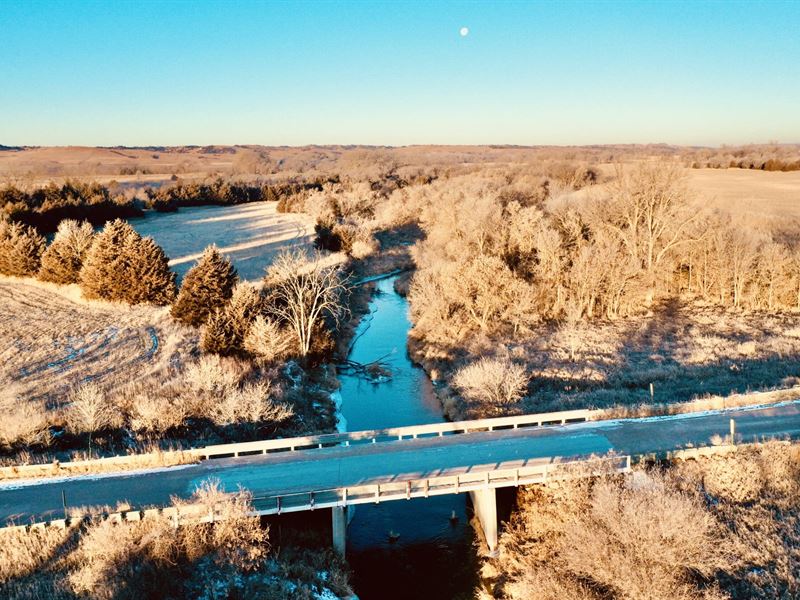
[{"x": 680, "y": 356}]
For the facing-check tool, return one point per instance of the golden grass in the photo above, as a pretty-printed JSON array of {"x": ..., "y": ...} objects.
[
  {"x": 748, "y": 193},
  {"x": 51, "y": 340},
  {"x": 113, "y": 464}
]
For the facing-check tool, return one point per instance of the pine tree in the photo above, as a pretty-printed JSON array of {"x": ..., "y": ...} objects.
[
  {"x": 219, "y": 334},
  {"x": 206, "y": 287},
  {"x": 21, "y": 249},
  {"x": 245, "y": 304},
  {"x": 61, "y": 262},
  {"x": 105, "y": 269},
  {"x": 121, "y": 265},
  {"x": 150, "y": 278}
]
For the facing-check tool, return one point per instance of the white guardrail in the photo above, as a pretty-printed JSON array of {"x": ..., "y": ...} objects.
[
  {"x": 364, "y": 494},
  {"x": 325, "y": 440},
  {"x": 437, "y": 486},
  {"x": 393, "y": 434}
]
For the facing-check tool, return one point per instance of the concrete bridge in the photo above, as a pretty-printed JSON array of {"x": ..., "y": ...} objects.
[{"x": 336, "y": 471}]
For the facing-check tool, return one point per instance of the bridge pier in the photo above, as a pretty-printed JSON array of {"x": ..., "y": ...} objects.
[
  {"x": 339, "y": 523},
  {"x": 484, "y": 504}
]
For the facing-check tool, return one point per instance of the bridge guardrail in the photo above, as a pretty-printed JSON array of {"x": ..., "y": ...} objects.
[
  {"x": 362, "y": 494},
  {"x": 393, "y": 433},
  {"x": 300, "y": 443},
  {"x": 432, "y": 486}
]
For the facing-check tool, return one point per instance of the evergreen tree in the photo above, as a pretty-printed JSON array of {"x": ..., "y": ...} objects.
[
  {"x": 104, "y": 273},
  {"x": 62, "y": 261},
  {"x": 206, "y": 287},
  {"x": 121, "y": 265},
  {"x": 150, "y": 278},
  {"x": 21, "y": 249},
  {"x": 245, "y": 305},
  {"x": 219, "y": 334}
]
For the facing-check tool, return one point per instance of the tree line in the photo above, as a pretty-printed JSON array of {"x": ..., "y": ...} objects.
[
  {"x": 45, "y": 207},
  {"x": 221, "y": 192},
  {"x": 493, "y": 262}
]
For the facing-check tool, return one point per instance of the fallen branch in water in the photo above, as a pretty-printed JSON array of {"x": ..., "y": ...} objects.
[{"x": 375, "y": 370}]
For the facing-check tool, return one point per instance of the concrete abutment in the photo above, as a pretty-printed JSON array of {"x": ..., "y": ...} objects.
[{"x": 484, "y": 504}]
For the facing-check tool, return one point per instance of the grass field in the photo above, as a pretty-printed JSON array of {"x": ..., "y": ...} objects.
[
  {"x": 749, "y": 193},
  {"x": 52, "y": 341},
  {"x": 249, "y": 234}
]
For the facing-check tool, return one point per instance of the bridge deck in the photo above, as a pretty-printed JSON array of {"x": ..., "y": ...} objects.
[{"x": 333, "y": 468}]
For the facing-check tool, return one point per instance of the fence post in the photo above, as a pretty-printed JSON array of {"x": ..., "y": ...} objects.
[{"x": 733, "y": 432}]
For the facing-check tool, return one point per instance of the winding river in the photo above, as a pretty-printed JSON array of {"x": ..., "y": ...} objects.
[{"x": 413, "y": 549}]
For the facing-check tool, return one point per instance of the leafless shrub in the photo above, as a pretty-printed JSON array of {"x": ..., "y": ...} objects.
[
  {"x": 22, "y": 422},
  {"x": 157, "y": 414},
  {"x": 213, "y": 375},
  {"x": 492, "y": 385},
  {"x": 362, "y": 248},
  {"x": 251, "y": 403},
  {"x": 267, "y": 340},
  {"x": 587, "y": 540}
]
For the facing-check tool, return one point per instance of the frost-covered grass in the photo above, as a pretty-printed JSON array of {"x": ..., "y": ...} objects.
[
  {"x": 686, "y": 350},
  {"x": 51, "y": 341},
  {"x": 249, "y": 234}
]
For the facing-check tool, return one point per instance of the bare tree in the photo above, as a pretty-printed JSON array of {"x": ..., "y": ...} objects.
[
  {"x": 302, "y": 293},
  {"x": 650, "y": 212},
  {"x": 89, "y": 411}
]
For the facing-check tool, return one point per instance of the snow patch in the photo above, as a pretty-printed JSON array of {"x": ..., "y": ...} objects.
[{"x": 341, "y": 422}]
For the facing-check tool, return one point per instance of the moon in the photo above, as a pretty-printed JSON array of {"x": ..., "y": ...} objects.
[{"x": 464, "y": 31}]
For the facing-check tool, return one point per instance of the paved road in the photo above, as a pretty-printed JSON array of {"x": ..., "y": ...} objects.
[{"x": 396, "y": 461}]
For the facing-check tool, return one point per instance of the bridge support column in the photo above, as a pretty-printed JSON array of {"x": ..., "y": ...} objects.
[
  {"x": 484, "y": 503},
  {"x": 339, "y": 523}
]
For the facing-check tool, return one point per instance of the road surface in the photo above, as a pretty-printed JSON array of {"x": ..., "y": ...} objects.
[{"x": 319, "y": 469}]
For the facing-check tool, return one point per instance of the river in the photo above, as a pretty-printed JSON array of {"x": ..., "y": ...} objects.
[{"x": 428, "y": 555}]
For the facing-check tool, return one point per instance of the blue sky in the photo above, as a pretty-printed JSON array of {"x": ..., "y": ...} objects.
[{"x": 168, "y": 73}]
